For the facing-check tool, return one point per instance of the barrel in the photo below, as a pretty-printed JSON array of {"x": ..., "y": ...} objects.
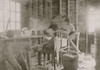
[{"x": 70, "y": 62}]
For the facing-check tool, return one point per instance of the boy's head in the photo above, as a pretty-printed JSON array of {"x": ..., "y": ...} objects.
[
  {"x": 53, "y": 26},
  {"x": 67, "y": 20}
]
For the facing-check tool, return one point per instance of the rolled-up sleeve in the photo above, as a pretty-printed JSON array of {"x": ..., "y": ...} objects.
[{"x": 72, "y": 27}]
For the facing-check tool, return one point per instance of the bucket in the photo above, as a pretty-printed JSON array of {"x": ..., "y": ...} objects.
[{"x": 70, "y": 62}]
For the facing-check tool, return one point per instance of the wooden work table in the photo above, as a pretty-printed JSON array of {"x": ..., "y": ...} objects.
[{"x": 16, "y": 45}]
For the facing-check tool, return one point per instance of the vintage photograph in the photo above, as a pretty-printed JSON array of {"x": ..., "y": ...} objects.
[{"x": 49, "y": 34}]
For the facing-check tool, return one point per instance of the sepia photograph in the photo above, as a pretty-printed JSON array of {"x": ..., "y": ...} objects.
[{"x": 49, "y": 34}]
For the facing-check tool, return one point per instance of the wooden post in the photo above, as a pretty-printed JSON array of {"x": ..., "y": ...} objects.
[
  {"x": 69, "y": 9},
  {"x": 77, "y": 15},
  {"x": 60, "y": 7},
  {"x": 77, "y": 24},
  {"x": 29, "y": 58}
]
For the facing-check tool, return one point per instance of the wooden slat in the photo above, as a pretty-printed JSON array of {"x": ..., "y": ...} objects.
[{"x": 24, "y": 37}]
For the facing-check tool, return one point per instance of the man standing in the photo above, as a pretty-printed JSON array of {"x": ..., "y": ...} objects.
[
  {"x": 71, "y": 32},
  {"x": 68, "y": 27}
]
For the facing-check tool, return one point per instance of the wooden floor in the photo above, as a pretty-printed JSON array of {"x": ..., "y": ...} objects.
[{"x": 48, "y": 64}]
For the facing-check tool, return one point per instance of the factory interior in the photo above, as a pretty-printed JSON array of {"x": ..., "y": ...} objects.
[{"x": 49, "y": 34}]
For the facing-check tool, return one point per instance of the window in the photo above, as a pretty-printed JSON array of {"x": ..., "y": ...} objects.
[
  {"x": 10, "y": 12},
  {"x": 93, "y": 20}
]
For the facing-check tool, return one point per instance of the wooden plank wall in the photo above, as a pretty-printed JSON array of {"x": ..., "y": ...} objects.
[
  {"x": 47, "y": 9},
  {"x": 72, "y": 11},
  {"x": 55, "y": 8},
  {"x": 41, "y": 9},
  {"x": 82, "y": 23}
]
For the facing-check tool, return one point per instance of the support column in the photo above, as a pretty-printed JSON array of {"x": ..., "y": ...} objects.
[{"x": 61, "y": 7}]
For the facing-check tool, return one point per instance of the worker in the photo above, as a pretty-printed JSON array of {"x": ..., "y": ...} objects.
[
  {"x": 50, "y": 34},
  {"x": 51, "y": 29},
  {"x": 69, "y": 27},
  {"x": 48, "y": 41}
]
